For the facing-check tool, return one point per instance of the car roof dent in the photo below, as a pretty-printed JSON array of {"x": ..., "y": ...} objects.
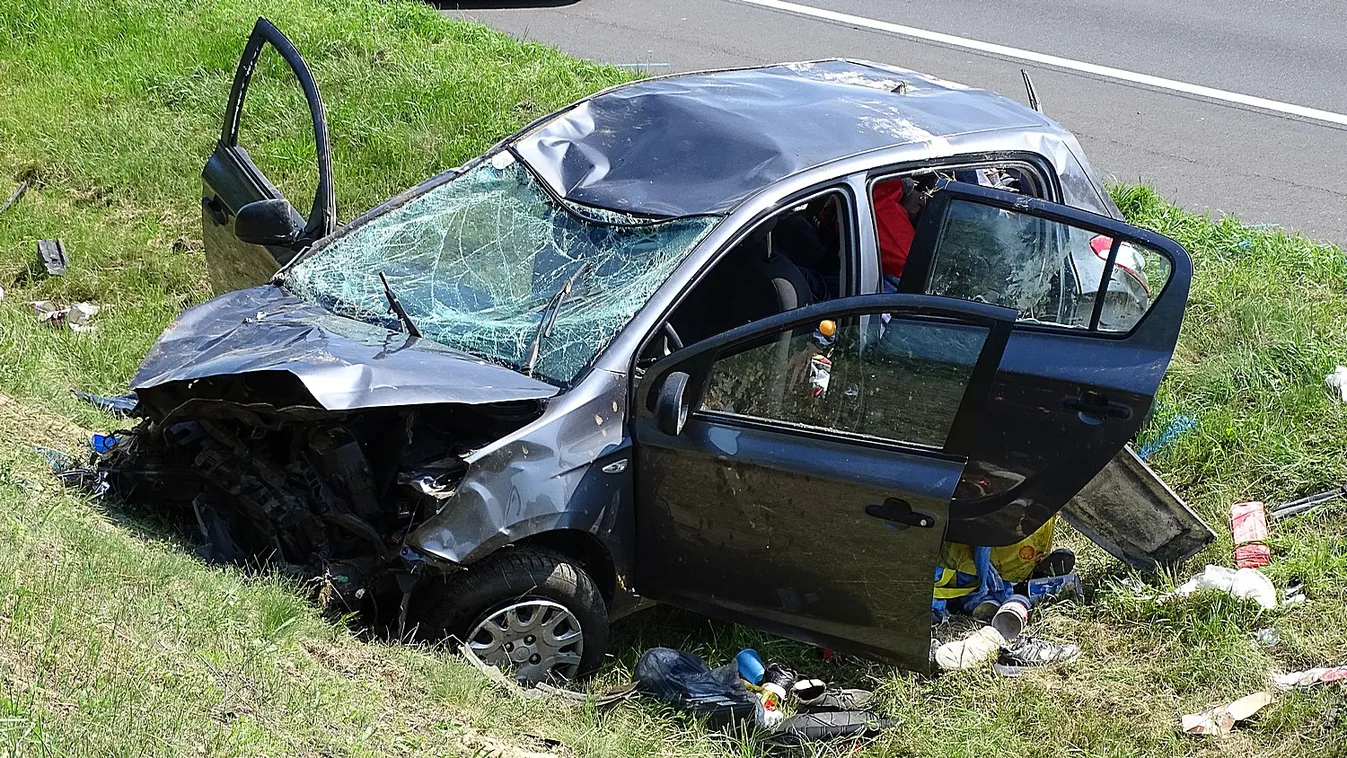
[{"x": 703, "y": 143}]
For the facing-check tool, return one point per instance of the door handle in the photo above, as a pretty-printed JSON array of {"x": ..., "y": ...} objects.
[
  {"x": 1096, "y": 406},
  {"x": 215, "y": 209},
  {"x": 899, "y": 511}
]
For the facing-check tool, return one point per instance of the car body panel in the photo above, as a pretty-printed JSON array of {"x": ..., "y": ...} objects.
[
  {"x": 344, "y": 364},
  {"x": 1134, "y": 516},
  {"x": 700, "y": 143},
  {"x": 546, "y": 476},
  {"x": 774, "y": 523}
]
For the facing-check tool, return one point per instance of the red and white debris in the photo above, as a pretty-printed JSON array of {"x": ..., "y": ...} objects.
[{"x": 1311, "y": 677}]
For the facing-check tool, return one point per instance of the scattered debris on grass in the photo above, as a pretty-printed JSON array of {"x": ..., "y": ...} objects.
[
  {"x": 684, "y": 681},
  {"x": 970, "y": 651},
  {"x": 542, "y": 689},
  {"x": 1337, "y": 382},
  {"x": 748, "y": 693},
  {"x": 1176, "y": 429},
  {"x": 76, "y": 316},
  {"x": 1267, "y": 636},
  {"x": 1294, "y": 594},
  {"x": 1011, "y": 618},
  {"x": 1248, "y": 524},
  {"x": 51, "y": 254},
  {"x": 1222, "y": 719},
  {"x": 118, "y": 405},
  {"x": 1130, "y": 512},
  {"x": 1241, "y": 584},
  {"x": 1311, "y": 677},
  {"x": 15, "y": 195},
  {"x": 1028, "y": 653},
  {"x": 1307, "y": 503}
]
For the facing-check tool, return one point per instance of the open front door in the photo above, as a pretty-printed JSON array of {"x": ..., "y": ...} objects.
[
  {"x": 805, "y": 490},
  {"x": 1099, "y": 304},
  {"x": 271, "y": 233}
]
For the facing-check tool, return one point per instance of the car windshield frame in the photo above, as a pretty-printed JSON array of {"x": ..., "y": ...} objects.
[{"x": 491, "y": 263}]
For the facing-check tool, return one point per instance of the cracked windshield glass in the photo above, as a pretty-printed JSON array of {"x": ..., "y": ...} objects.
[{"x": 491, "y": 265}]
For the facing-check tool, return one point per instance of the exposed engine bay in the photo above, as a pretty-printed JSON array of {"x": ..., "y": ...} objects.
[{"x": 267, "y": 478}]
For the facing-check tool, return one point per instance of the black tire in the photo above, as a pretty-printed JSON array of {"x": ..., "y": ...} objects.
[{"x": 512, "y": 575}]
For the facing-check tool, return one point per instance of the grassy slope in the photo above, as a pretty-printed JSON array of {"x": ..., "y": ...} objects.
[{"x": 114, "y": 640}]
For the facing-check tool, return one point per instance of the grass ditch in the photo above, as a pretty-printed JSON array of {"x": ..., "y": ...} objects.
[{"x": 115, "y": 640}]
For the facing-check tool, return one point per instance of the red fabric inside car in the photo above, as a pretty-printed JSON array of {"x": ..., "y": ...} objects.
[{"x": 895, "y": 228}]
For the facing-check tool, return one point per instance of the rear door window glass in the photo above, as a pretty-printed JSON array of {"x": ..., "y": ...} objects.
[
  {"x": 899, "y": 201},
  {"x": 1049, "y": 272}
]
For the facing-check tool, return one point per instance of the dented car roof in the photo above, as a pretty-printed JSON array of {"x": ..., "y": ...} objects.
[{"x": 702, "y": 143}]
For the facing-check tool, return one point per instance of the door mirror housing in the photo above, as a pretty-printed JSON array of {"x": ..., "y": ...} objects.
[
  {"x": 267, "y": 222},
  {"x": 671, "y": 406}
]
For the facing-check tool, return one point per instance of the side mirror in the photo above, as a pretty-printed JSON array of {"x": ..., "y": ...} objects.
[
  {"x": 671, "y": 408},
  {"x": 267, "y": 222}
]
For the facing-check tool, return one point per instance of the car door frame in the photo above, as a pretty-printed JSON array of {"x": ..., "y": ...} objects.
[
  {"x": 1170, "y": 300},
  {"x": 322, "y": 218},
  {"x": 964, "y": 427},
  {"x": 696, "y": 361},
  {"x": 980, "y": 521}
]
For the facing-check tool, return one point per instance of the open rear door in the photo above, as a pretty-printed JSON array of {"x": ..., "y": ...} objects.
[
  {"x": 1099, "y": 303},
  {"x": 231, "y": 181}
]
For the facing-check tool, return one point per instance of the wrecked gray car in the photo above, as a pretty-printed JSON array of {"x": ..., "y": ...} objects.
[{"x": 645, "y": 350}]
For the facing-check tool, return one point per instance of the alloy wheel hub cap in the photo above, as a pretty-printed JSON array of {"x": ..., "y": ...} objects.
[{"x": 534, "y": 638}]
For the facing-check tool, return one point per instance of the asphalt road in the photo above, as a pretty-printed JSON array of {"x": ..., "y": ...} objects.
[{"x": 1259, "y": 163}]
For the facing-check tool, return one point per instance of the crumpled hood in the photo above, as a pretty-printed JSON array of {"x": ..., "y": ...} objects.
[{"x": 344, "y": 364}]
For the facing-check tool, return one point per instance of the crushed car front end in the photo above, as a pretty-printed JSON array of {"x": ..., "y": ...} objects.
[
  {"x": 295, "y": 439},
  {"x": 410, "y": 394}
]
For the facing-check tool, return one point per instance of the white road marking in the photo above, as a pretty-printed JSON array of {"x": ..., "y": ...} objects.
[{"x": 1052, "y": 60}]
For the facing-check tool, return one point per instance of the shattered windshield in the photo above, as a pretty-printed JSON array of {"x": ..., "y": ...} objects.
[{"x": 489, "y": 264}]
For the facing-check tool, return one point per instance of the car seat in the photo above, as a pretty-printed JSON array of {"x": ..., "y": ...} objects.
[{"x": 778, "y": 286}]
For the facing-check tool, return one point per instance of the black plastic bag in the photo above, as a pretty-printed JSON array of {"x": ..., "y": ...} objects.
[{"x": 685, "y": 681}]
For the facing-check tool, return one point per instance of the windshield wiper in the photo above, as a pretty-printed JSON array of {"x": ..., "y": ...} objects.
[
  {"x": 549, "y": 317},
  {"x": 396, "y": 306}
]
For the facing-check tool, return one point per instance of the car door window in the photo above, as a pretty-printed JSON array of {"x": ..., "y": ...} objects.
[
  {"x": 898, "y": 202},
  {"x": 1050, "y": 272},
  {"x": 900, "y": 379},
  {"x": 274, "y": 111},
  {"x": 796, "y": 257},
  {"x": 275, "y": 130}
]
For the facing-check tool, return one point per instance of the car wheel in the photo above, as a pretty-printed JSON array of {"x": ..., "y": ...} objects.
[{"x": 528, "y": 610}]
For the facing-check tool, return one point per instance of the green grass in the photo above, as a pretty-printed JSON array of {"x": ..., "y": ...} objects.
[{"x": 115, "y": 640}]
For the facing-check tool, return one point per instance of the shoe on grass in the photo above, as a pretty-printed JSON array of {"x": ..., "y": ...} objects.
[{"x": 1030, "y": 653}]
